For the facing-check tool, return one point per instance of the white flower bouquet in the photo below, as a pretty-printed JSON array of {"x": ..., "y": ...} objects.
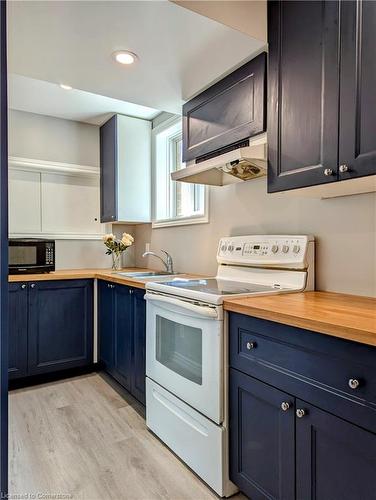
[{"x": 115, "y": 247}]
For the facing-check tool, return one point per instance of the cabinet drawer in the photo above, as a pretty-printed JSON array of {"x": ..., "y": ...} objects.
[{"x": 312, "y": 365}]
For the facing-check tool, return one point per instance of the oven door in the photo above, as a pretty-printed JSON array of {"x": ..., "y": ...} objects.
[{"x": 184, "y": 351}]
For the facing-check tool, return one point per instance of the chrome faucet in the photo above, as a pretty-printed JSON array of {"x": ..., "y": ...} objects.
[{"x": 168, "y": 263}]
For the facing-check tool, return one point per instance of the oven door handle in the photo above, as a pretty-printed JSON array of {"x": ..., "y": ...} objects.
[{"x": 205, "y": 311}]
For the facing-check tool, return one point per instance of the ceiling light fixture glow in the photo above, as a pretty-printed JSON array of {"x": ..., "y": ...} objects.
[
  {"x": 124, "y": 57},
  {"x": 65, "y": 87}
]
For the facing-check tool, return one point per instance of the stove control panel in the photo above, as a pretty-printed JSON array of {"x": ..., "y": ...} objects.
[{"x": 268, "y": 251}]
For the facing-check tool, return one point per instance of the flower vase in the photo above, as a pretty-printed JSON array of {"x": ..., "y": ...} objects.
[{"x": 116, "y": 261}]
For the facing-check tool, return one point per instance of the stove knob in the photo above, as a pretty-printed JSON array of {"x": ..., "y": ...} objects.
[
  {"x": 296, "y": 249},
  {"x": 285, "y": 248},
  {"x": 275, "y": 248}
]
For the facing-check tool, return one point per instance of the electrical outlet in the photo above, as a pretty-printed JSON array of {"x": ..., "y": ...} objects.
[{"x": 147, "y": 247}]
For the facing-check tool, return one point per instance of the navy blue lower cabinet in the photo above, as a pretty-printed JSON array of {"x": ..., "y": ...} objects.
[
  {"x": 139, "y": 345},
  {"x": 18, "y": 322},
  {"x": 332, "y": 407},
  {"x": 335, "y": 460},
  {"x": 262, "y": 439},
  {"x": 123, "y": 334},
  {"x": 106, "y": 324},
  {"x": 60, "y": 325}
]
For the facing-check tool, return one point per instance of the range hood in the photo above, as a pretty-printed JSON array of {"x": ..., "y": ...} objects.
[{"x": 241, "y": 164}]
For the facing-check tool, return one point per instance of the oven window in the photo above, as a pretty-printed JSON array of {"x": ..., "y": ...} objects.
[
  {"x": 22, "y": 255},
  {"x": 179, "y": 348}
]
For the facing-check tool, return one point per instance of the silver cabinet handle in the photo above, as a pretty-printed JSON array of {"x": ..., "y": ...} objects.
[
  {"x": 109, "y": 285},
  {"x": 354, "y": 383},
  {"x": 251, "y": 345},
  {"x": 344, "y": 168},
  {"x": 300, "y": 413},
  {"x": 328, "y": 172},
  {"x": 23, "y": 286},
  {"x": 285, "y": 406},
  {"x": 130, "y": 292},
  {"x": 32, "y": 285}
]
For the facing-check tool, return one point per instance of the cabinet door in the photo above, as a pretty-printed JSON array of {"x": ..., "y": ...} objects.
[
  {"x": 106, "y": 324},
  {"x": 17, "y": 339},
  {"x": 357, "y": 147},
  {"x": 123, "y": 332},
  {"x": 108, "y": 170},
  {"x": 60, "y": 325},
  {"x": 262, "y": 444},
  {"x": 227, "y": 113},
  {"x": 303, "y": 88},
  {"x": 24, "y": 218},
  {"x": 70, "y": 204},
  {"x": 335, "y": 460},
  {"x": 139, "y": 345}
]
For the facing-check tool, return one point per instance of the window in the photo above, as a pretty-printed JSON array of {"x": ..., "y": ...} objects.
[{"x": 174, "y": 203}]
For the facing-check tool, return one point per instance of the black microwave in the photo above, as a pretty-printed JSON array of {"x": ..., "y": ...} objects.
[{"x": 31, "y": 255}]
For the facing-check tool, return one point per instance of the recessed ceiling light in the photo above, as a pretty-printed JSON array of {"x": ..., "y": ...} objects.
[
  {"x": 65, "y": 87},
  {"x": 124, "y": 57}
]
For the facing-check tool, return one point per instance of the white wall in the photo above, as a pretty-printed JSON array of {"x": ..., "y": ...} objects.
[
  {"x": 47, "y": 138},
  {"x": 345, "y": 229}
]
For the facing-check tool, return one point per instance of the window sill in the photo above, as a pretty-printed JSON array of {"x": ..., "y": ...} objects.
[{"x": 183, "y": 221}]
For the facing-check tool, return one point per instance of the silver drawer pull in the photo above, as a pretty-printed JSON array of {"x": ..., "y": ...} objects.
[
  {"x": 285, "y": 406},
  {"x": 251, "y": 345},
  {"x": 328, "y": 172},
  {"x": 353, "y": 383},
  {"x": 23, "y": 286},
  {"x": 300, "y": 413}
]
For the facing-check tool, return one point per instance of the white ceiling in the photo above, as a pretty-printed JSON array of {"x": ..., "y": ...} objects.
[
  {"x": 46, "y": 98},
  {"x": 180, "y": 53}
]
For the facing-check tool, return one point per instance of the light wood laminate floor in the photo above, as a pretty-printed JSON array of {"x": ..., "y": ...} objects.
[{"x": 80, "y": 439}]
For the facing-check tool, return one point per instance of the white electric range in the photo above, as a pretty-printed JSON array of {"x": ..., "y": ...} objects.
[{"x": 186, "y": 345}]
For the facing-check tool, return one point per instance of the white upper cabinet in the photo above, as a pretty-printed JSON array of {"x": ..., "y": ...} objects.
[
  {"x": 125, "y": 164},
  {"x": 53, "y": 200},
  {"x": 25, "y": 202}
]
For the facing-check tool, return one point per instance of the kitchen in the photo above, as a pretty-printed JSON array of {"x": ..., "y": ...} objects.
[{"x": 229, "y": 350}]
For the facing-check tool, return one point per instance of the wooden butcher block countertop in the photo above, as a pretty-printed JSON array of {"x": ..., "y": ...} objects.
[
  {"x": 348, "y": 317},
  {"x": 103, "y": 274}
]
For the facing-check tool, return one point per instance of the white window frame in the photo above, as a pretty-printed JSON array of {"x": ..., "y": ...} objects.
[{"x": 173, "y": 221}]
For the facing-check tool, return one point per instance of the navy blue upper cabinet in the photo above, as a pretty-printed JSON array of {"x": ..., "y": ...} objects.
[
  {"x": 334, "y": 459},
  {"x": 262, "y": 439},
  {"x": 227, "y": 113},
  {"x": 60, "y": 325},
  {"x": 17, "y": 340},
  {"x": 108, "y": 163},
  {"x": 125, "y": 168},
  {"x": 122, "y": 335},
  {"x": 357, "y": 147},
  {"x": 303, "y": 92},
  {"x": 321, "y": 97}
]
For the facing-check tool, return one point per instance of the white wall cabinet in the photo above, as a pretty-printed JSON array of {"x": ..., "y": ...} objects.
[
  {"x": 24, "y": 201},
  {"x": 125, "y": 164},
  {"x": 54, "y": 200}
]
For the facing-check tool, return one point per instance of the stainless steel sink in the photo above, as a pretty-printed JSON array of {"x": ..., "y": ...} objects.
[{"x": 145, "y": 274}]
